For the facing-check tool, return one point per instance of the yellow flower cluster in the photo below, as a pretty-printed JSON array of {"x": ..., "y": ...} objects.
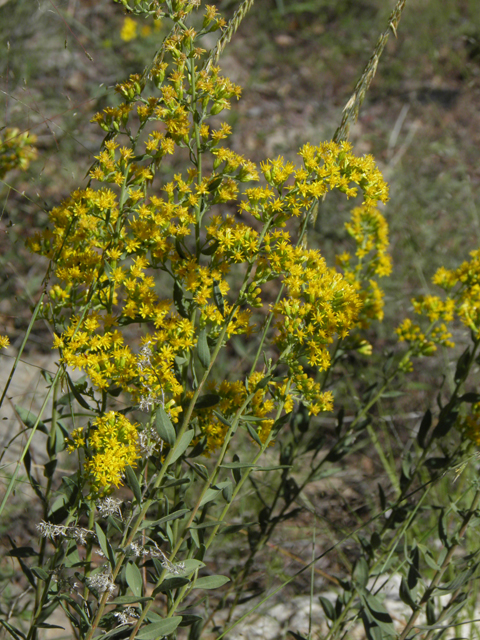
[
  {"x": 319, "y": 304},
  {"x": 467, "y": 295},
  {"x": 326, "y": 167},
  {"x": 369, "y": 229},
  {"x": 16, "y": 150},
  {"x": 129, "y": 29},
  {"x": 228, "y": 397},
  {"x": 109, "y": 244},
  {"x": 470, "y": 425},
  {"x": 463, "y": 300},
  {"x": 112, "y": 443},
  {"x": 4, "y": 342}
]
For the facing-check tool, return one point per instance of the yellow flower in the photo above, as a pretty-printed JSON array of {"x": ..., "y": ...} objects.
[{"x": 129, "y": 30}]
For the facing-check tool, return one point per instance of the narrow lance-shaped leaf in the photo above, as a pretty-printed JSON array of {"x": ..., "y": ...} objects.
[
  {"x": 211, "y": 582},
  {"x": 217, "y": 296},
  {"x": 134, "y": 578},
  {"x": 424, "y": 427},
  {"x": 182, "y": 445},
  {"x": 164, "y": 426},
  {"x": 179, "y": 300},
  {"x": 105, "y": 545},
  {"x": 203, "y": 350},
  {"x": 159, "y": 629},
  {"x": 133, "y": 483}
]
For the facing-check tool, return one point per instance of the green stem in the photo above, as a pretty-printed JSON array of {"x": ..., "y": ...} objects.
[
  {"x": 158, "y": 480},
  {"x": 42, "y": 409},
  {"x": 22, "y": 347},
  {"x": 439, "y": 573}
]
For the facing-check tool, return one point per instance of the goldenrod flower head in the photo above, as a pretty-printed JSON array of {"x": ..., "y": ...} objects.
[
  {"x": 113, "y": 441},
  {"x": 129, "y": 29}
]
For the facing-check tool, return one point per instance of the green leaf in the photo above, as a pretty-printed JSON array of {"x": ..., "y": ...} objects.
[
  {"x": 253, "y": 434},
  {"x": 255, "y": 467},
  {"x": 375, "y": 540},
  {"x": 376, "y": 610},
  {"x": 217, "y": 296},
  {"x": 134, "y": 578},
  {"x": 21, "y": 552},
  {"x": 31, "y": 573},
  {"x": 128, "y": 600},
  {"x": 280, "y": 423},
  {"x": 112, "y": 633},
  {"x": 446, "y": 421},
  {"x": 158, "y": 629},
  {"x": 239, "y": 465},
  {"x": 328, "y": 608},
  {"x": 414, "y": 572},
  {"x": 458, "y": 582},
  {"x": 133, "y": 483},
  {"x": 228, "y": 492},
  {"x": 169, "y": 584},
  {"x": 45, "y": 625},
  {"x": 202, "y": 349},
  {"x": 179, "y": 249},
  {"x": 209, "y": 250},
  {"x": 164, "y": 426},
  {"x": 188, "y": 619},
  {"x": 235, "y": 528},
  {"x": 406, "y": 596},
  {"x": 190, "y": 565},
  {"x": 429, "y": 558},
  {"x": 454, "y": 607},
  {"x": 13, "y": 631},
  {"x": 430, "y": 611},
  {"x": 213, "y": 492},
  {"x": 211, "y": 582},
  {"x": 105, "y": 545},
  {"x": 361, "y": 572},
  {"x": 206, "y": 525},
  {"x": 49, "y": 468},
  {"x": 443, "y": 529},
  {"x": 182, "y": 445},
  {"x": 47, "y": 610},
  {"x": 171, "y": 516},
  {"x": 470, "y": 397},
  {"x": 207, "y": 400},
  {"x": 29, "y": 419},
  {"x": 424, "y": 427},
  {"x": 462, "y": 366},
  {"x": 179, "y": 300},
  {"x": 222, "y": 419},
  {"x": 176, "y": 482},
  {"x": 297, "y": 636},
  {"x": 77, "y": 395}
]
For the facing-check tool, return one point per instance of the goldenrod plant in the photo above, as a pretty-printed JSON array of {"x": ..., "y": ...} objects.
[{"x": 154, "y": 280}]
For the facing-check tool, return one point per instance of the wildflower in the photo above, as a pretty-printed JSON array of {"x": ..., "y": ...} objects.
[
  {"x": 17, "y": 150},
  {"x": 65, "y": 584},
  {"x": 54, "y": 531},
  {"x": 154, "y": 551},
  {"x": 113, "y": 440},
  {"x": 126, "y": 616},
  {"x": 101, "y": 582},
  {"x": 109, "y": 506},
  {"x": 129, "y": 30},
  {"x": 4, "y": 342}
]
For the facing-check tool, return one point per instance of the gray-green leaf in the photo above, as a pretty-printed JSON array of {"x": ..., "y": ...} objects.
[
  {"x": 164, "y": 426},
  {"x": 159, "y": 629}
]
